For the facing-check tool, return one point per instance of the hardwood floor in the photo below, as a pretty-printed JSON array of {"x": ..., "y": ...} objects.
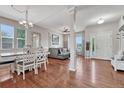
[{"x": 90, "y": 73}]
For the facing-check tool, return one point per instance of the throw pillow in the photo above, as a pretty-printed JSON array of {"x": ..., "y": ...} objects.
[
  {"x": 122, "y": 58},
  {"x": 59, "y": 52}
]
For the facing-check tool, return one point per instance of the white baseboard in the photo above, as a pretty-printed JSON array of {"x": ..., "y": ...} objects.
[
  {"x": 98, "y": 58},
  {"x": 101, "y": 58},
  {"x": 71, "y": 69}
]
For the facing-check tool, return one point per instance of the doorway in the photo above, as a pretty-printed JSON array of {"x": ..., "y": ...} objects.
[
  {"x": 101, "y": 45},
  {"x": 80, "y": 43}
]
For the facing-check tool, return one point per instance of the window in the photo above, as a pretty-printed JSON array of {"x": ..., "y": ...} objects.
[
  {"x": 7, "y": 36},
  {"x": 20, "y": 38},
  {"x": 79, "y": 42},
  {"x": 36, "y": 40}
]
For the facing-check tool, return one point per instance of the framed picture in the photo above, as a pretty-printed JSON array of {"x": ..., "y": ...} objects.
[{"x": 55, "y": 39}]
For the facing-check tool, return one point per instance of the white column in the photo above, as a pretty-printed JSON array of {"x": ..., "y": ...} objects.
[{"x": 73, "y": 63}]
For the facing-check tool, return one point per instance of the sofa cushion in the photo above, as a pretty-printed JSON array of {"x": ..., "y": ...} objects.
[
  {"x": 63, "y": 51},
  {"x": 58, "y": 53},
  {"x": 121, "y": 58}
]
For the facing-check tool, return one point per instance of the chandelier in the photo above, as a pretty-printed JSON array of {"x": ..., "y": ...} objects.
[{"x": 25, "y": 22}]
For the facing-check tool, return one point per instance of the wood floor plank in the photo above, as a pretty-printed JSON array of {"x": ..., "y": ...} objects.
[{"x": 90, "y": 73}]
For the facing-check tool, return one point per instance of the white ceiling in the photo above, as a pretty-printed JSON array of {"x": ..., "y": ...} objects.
[
  {"x": 89, "y": 15},
  {"x": 56, "y": 16}
]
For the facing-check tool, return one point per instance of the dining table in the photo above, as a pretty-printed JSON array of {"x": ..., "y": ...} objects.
[
  {"x": 7, "y": 67},
  {"x": 10, "y": 59}
]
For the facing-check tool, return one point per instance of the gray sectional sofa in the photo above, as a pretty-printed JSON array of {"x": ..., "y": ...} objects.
[{"x": 59, "y": 53}]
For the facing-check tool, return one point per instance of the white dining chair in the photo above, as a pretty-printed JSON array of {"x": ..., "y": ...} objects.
[
  {"x": 25, "y": 62},
  {"x": 41, "y": 58}
]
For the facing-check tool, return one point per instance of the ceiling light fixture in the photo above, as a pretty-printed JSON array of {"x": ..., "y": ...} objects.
[
  {"x": 100, "y": 21},
  {"x": 25, "y": 22}
]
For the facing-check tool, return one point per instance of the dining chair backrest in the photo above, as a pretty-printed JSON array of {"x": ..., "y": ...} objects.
[
  {"x": 26, "y": 50},
  {"x": 26, "y": 58},
  {"x": 29, "y": 58},
  {"x": 40, "y": 56}
]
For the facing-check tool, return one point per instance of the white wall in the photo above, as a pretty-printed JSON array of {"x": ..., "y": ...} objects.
[
  {"x": 102, "y": 33},
  {"x": 45, "y": 36}
]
